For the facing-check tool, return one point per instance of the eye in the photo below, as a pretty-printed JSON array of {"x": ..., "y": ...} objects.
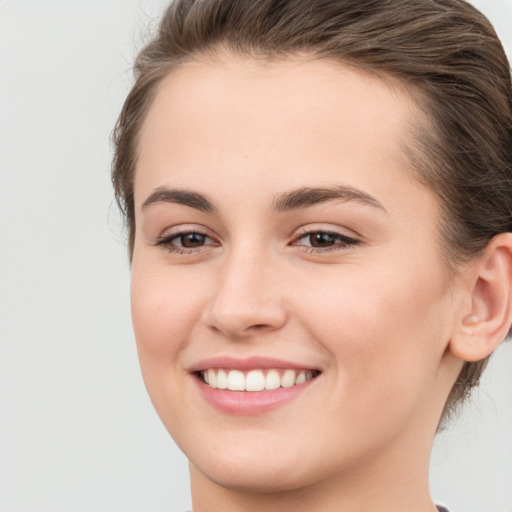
[
  {"x": 185, "y": 241},
  {"x": 324, "y": 240},
  {"x": 190, "y": 240}
]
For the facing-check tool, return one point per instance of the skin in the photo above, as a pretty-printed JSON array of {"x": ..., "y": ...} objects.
[{"x": 375, "y": 317}]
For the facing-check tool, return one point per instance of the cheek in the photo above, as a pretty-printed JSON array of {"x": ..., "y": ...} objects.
[
  {"x": 165, "y": 310},
  {"x": 165, "y": 307},
  {"x": 386, "y": 331}
]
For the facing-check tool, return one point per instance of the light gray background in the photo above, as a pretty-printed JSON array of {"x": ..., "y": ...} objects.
[{"x": 77, "y": 430}]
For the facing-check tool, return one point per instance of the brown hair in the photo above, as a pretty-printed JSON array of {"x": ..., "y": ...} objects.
[{"x": 445, "y": 52}]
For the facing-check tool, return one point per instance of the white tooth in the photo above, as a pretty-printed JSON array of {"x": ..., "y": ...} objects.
[
  {"x": 272, "y": 380},
  {"x": 205, "y": 377},
  {"x": 301, "y": 378},
  {"x": 236, "y": 381},
  {"x": 309, "y": 375},
  {"x": 222, "y": 380},
  {"x": 288, "y": 378},
  {"x": 255, "y": 381},
  {"x": 212, "y": 378}
]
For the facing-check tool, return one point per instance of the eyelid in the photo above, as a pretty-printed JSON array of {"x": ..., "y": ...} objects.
[
  {"x": 331, "y": 229},
  {"x": 327, "y": 228},
  {"x": 181, "y": 229}
]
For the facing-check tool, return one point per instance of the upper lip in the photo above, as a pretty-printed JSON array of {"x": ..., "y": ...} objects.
[{"x": 246, "y": 364}]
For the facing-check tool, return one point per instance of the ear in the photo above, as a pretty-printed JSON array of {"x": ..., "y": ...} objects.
[{"x": 486, "y": 320}]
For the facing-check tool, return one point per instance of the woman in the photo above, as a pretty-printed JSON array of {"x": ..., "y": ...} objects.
[{"x": 318, "y": 196}]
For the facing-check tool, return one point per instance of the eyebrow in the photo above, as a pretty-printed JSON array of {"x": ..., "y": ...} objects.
[
  {"x": 178, "y": 196},
  {"x": 293, "y": 200},
  {"x": 306, "y": 196}
]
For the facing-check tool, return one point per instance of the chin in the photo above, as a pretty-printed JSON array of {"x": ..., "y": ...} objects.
[
  {"x": 259, "y": 465},
  {"x": 254, "y": 477}
]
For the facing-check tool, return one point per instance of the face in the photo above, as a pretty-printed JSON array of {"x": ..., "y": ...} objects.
[{"x": 284, "y": 250}]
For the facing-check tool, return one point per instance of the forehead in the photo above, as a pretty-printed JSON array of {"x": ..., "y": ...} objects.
[{"x": 214, "y": 119}]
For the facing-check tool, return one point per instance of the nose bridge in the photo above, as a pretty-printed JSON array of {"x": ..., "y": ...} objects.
[{"x": 246, "y": 298}]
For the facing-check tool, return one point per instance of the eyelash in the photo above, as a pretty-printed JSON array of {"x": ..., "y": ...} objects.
[
  {"x": 167, "y": 242},
  {"x": 342, "y": 242}
]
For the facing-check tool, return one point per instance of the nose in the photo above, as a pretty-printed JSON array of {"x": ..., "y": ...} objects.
[{"x": 247, "y": 298}]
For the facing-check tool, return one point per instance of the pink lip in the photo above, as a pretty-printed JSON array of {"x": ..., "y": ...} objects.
[
  {"x": 246, "y": 364},
  {"x": 248, "y": 403}
]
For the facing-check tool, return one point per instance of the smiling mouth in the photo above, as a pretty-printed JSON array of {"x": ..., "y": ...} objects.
[{"x": 255, "y": 380}]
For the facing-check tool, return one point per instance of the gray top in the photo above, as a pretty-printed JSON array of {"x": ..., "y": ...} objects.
[{"x": 439, "y": 507}]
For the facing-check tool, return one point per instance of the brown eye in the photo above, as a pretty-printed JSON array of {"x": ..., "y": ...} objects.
[
  {"x": 191, "y": 240},
  {"x": 322, "y": 239},
  {"x": 185, "y": 241}
]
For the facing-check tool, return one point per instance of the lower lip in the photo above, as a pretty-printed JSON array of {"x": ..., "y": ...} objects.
[{"x": 250, "y": 403}]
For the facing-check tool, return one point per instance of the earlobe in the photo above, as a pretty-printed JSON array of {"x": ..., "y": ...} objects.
[{"x": 486, "y": 324}]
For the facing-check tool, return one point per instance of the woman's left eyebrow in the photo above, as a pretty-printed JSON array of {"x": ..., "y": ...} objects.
[{"x": 310, "y": 196}]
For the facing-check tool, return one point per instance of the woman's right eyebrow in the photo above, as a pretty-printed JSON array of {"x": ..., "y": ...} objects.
[{"x": 179, "y": 196}]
